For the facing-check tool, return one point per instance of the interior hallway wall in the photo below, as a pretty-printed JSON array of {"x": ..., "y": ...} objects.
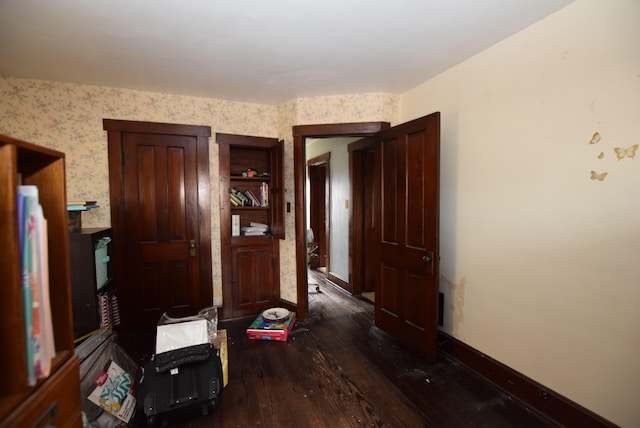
[{"x": 540, "y": 259}]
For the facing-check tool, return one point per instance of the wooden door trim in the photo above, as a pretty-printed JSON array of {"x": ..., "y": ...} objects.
[
  {"x": 300, "y": 133},
  {"x": 115, "y": 130}
]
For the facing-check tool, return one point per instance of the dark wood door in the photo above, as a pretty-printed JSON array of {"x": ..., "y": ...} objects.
[
  {"x": 253, "y": 279},
  {"x": 407, "y": 268},
  {"x": 162, "y": 253},
  {"x": 159, "y": 195},
  {"x": 370, "y": 202},
  {"x": 319, "y": 191}
]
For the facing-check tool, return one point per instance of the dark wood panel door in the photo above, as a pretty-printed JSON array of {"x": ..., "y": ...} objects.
[
  {"x": 319, "y": 194},
  {"x": 407, "y": 270},
  {"x": 253, "y": 279},
  {"x": 370, "y": 201},
  {"x": 161, "y": 220},
  {"x": 161, "y": 206}
]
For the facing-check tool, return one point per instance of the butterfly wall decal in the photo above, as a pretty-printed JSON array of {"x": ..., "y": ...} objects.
[
  {"x": 629, "y": 152},
  {"x": 599, "y": 177}
]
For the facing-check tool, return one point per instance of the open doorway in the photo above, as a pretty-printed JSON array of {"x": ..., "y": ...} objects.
[
  {"x": 406, "y": 166},
  {"x": 301, "y": 134},
  {"x": 318, "y": 206}
]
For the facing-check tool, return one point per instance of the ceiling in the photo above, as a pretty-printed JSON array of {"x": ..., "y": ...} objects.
[{"x": 263, "y": 51}]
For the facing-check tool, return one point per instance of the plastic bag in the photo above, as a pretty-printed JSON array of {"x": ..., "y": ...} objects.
[{"x": 210, "y": 314}]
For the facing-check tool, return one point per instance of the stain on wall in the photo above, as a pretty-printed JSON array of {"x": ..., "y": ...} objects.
[{"x": 454, "y": 293}]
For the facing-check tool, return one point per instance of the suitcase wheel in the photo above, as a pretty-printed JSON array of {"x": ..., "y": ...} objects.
[{"x": 152, "y": 420}]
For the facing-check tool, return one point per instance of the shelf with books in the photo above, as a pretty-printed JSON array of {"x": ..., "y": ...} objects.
[{"x": 23, "y": 163}]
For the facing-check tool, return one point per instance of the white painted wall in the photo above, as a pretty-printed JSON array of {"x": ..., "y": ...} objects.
[{"x": 541, "y": 264}]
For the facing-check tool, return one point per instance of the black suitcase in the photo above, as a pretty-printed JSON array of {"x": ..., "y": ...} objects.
[{"x": 180, "y": 381}]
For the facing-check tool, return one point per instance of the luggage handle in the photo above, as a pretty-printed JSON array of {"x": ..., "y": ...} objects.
[
  {"x": 190, "y": 396},
  {"x": 170, "y": 360}
]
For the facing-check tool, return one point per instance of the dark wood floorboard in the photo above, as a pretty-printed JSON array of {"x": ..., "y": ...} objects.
[{"x": 338, "y": 370}]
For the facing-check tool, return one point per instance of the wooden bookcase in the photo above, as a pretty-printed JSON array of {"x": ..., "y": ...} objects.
[
  {"x": 56, "y": 398},
  {"x": 250, "y": 264},
  {"x": 84, "y": 282}
]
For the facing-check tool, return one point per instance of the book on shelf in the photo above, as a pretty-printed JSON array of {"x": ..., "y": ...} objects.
[
  {"x": 82, "y": 202},
  {"x": 40, "y": 348},
  {"x": 27, "y": 193},
  {"x": 254, "y": 200},
  {"x": 264, "y": 194},
  {"x": 244, "y": 199},
  {"x": 44, "y": 348},
  {"x": 81, "y": 207},
  {"x": 20, "y": 202},
  {"x": 235, "y": 225},
  {"x": 233, "y": 199}
]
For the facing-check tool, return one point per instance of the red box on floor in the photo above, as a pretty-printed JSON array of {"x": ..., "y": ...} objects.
[{"x": 264, "y": 330}]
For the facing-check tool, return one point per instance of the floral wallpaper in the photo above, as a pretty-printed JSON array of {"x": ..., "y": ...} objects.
[{"x": 68, "y": 117}]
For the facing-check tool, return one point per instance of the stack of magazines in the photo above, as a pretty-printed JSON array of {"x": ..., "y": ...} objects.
[{"x": 255, "y": 229}]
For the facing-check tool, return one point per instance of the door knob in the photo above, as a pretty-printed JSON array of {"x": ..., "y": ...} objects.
[
  {"x": 192, "y": 247},
  {"x": 428, "y": 259}
]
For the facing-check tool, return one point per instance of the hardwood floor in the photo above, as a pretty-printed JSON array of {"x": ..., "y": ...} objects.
[{"x": 338, "y": 370}]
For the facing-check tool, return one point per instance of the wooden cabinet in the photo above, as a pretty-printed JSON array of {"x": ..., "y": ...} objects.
[
  {"x": 59, "y": 394},
  {"x": 253, "y": 279},
  {"x": 91, "y": 275},
  {"x": 250, "y": 264}
]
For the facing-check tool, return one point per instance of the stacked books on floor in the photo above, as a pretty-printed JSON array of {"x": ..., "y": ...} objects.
[
  {"x": 34, "y": 264},
  {"x": 272, "y": 324},
  {"x": 255, "y": 229}
]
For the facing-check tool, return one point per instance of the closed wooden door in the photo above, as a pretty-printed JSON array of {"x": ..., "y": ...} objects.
[
  {"x": 158, "y": 236},
  {"x": 407, "y": 268},
  {"x": 253, "y": 279}
]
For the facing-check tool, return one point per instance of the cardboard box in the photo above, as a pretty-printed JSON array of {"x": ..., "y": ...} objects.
[
  {"x": 263, "y": 330},
  {"x": 220, "y": 343}
]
